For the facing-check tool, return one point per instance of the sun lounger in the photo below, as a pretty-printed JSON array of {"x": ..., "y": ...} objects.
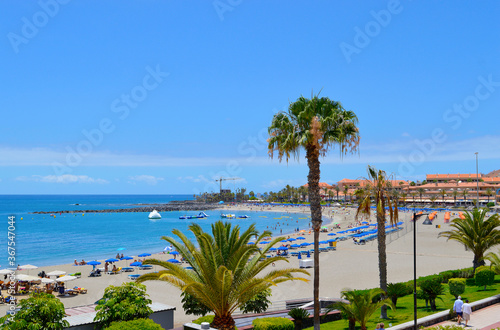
[
  {"x": 133, "y": 276},
  {"x": 145, "y": 267},
  {"x": 127, "y": 269},
  {"x": 117, "y": 271},
  {"x": 80, "y": 290},
  {"x": 95, "y": 273}
]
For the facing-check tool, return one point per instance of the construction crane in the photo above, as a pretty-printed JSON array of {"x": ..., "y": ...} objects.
[{"x": 224, "y": 179}]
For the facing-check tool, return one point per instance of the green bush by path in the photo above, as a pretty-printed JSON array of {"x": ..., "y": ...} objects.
[
  {"x": 140, "y": 324},
  {"x": 273, "y": 323},
  {"x": 456, "y": 286},
  {"x": 484, "y": 277}
]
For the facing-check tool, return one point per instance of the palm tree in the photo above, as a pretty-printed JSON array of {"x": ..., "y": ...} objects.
[
  {"x": 494, "y": 259},
  {"x": 378, "y": 189},
  {"x": 433, "y": 199},
  {"x": 361, "y": 306},
  {"x": 476, "y": 233},
  {"x": 346, "y": 189},
  {"x": 465, "y": 192},
  {"x": 413, "y": 194},
  {"x": 313, "y": 124},
  {"x": 489, "y": 193},
  {"x": 403, "y": 195},
  {"x": 227, "y": 271},
  {"x": 443, "y": 194},
  {"x": 337, "y": 189},
  {"x": 420, "y": 193},
  {"x": 455, "y": 194}
]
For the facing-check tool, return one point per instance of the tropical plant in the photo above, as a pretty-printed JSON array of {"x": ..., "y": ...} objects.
[
  {"x": 433, "y": 199},
  {"x": 489, "y": 193},
  {"x": 346, "y": 189},
  {"x": 192, "y": 306},
  {"x": 337, "y": 190},
  {"x": 432, "y": 289},
  {"x": 139, "y": 324},
  {"x": 227, "y": 271},
  {"x": 39, "y": 311},
  {"x": 314, "y": 124},
  {"x": 361, "y": 305},
  {"x": 443, "y": 194},
  {"x": 476, "y": 232},
  {"x": 456, "y": 286},
  {"x": 397, "y": 290},
  {"x": 377, "y": 189},
  {"x": 484, "y": 277},
  {"x": 298, "y": 314},
  {"x": 123, "y": 303},
  {"x": 455, "y": 194},
  {"x": 465, "y": 192},
  {"x": 420, "y": 193},
  {"x": 258, "y": 304},
  {"x": 494, "y": 259}
]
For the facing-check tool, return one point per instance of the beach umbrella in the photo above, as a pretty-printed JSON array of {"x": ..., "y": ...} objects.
[
  {"x": 126, "y": 258},
  {"x": 304, "y": 244},
  {"x": 251, "y": 243},
  {"x": 28, "y": 278},
  {"x": 221, "y": 202},
  {"x": 6, "y": 271},
  {"x": 291, "y": 239},
  {"x": 120, "y": 249},
  {"x": 93, "y": 263},
  {"x": 66, "y": 278},
  {"x": 174, "y": 261},
  {"x": 264, "y": 242},
  {"x": 331, "y": 240},
  {"x": 300, "y": 237},
  {"x": 332, "y": 234},
  {"x": 174, "y": 253},
  {"x": 308, "y": 254},
  {"x": 273, "y": 249},
  {"x": 323, "y": 242},
  {"x": 284, "y": 241},
  {"x": 299, "y": 256},
  {"x": 28, "y": 267},
  {"x": 144, "y": 255},
  {"x": 47, "y": 280},
  {"x": 167, "y": 248},
  {"x": 295, "y": 245},
  {"x": 136, "y": 264},
  {"x": 111, "y": 260},
  {"x": 56, "y": 273},
  {"x": 282, "y": 248}
]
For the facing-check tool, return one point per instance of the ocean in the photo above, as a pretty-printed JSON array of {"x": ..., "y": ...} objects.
[{"x": 44, "y": 240}]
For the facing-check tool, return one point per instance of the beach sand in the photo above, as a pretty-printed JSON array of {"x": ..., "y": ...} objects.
[{"x": 351, "y": 266}]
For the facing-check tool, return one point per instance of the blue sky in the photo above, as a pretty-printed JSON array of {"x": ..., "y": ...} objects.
[{"x": 152, "y": 97}]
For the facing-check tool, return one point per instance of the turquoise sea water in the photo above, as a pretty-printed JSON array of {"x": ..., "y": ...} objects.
[{"x": 44, "y": 240}]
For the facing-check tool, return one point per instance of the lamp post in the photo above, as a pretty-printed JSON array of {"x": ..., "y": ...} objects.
[
  {"x": 477, "y": 182},
  {"x": 415, "y": 218}
]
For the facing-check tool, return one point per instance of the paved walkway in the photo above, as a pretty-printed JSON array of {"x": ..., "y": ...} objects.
[{"x": 484, "y": 319}]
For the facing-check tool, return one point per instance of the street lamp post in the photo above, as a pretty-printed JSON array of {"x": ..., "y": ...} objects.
[
  {"x": 477, "y": 182},
  {"x": 415, "y": 218}
]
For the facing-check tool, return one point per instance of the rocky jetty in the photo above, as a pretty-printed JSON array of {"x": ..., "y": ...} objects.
[{"x": 171, "y": 206}]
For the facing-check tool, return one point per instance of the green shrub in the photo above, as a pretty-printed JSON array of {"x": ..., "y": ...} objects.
[
  {"x": 273, "y": 323},
  {"x": 446, "y": 275},
  {"x": 490, "y": 204},
  {"x": 397, "y": 290},
  {"x": 206, "y": 318},
  {"x": 484, "y": 277},
  {"x": 432, "y": 289},
  {"x": 457, "y": 286},
  {"x": 298, "y": 313},
  {"x": 140, "y": 324},
  {"x": 434, "y": 277}
]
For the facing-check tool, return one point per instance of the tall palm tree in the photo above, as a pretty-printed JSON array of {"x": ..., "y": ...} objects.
[
  {"x": 455, "y": 194},
  {"x": 227, "y": 271},
  {"x": 379, "y": 190},
  {"x": 337, "y": 189},
  {"x": 489, "y": 193},
  {"x": 314, "y": 124},
  {"x": 361, "y": 306},
  {"x": 433, "y": 199},
  {"x": 465, "y": 192},
  {"x": 443, "y": 194},
  {"x": 494, "y": 259},
  {"x": 420, "y": 193},
  {"x": 403, "y": 195},
  {"x": 413, "y": 194},
  {"x": 346, "y": 189},
  {"x": 476, "y": 232}
]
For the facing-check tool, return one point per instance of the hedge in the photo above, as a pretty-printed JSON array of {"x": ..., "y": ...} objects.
[
  {"x": 139, "y": 324},
  {"x": 457, "y": 286},
  {"x": 273, "y": 323},
  {"x": 484, "y": 277}
]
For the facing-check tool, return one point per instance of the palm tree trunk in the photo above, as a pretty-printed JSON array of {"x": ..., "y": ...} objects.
[
  {"x": 224, "y": 322},
  {"x": 382, "y": 260},
  {"x": 312, "y": 155}
]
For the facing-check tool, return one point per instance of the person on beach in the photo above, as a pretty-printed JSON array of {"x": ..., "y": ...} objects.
[
  {"x": 457, "y": 308},
  {"x": 106, "y": 266},
  {"x": 466, "y": 311},
  {"x": 76, "y": 263}
]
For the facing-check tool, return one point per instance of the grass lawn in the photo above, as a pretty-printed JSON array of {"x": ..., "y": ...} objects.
[{"x": 404, "y": 311}]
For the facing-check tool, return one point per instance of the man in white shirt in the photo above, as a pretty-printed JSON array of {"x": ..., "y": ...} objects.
[
  {"x": 457, "y": 308},
  {"x": 467, "y": 311}
]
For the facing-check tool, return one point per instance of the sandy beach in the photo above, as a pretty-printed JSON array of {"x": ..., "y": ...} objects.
[{"x": 351, "y": 266}]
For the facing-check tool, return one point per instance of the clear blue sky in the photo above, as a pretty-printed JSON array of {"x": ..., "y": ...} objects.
[{"x": 165, "y": 96}]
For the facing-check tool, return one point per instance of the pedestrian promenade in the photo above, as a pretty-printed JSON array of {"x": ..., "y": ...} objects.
[{"x": 483, "y": 319}]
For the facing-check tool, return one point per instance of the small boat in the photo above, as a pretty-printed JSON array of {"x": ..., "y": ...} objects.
[
  {"x": 228, "y": 216},
  {"x": 200, "y": 215},
  {"x": 243, "y": 216},
  {"x": 154, "y": 215}
]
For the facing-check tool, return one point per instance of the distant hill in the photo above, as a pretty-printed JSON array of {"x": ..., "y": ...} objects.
[{"x": 493, "y": 174}]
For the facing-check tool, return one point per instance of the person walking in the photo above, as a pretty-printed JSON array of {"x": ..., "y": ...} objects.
[
  {"x": 457, "y": 308},
  {"x": 467, "y": 311}
]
